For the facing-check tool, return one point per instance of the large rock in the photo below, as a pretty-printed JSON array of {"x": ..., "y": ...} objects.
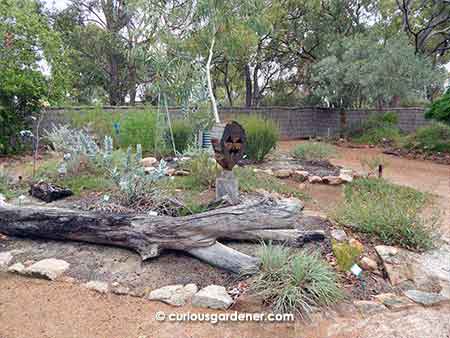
[
  {"x": 212, "y": 296},
  {"x": 425, "y": 298},
  {"x": 408, "y": 270},
  {"x": 394, "y": 302},
  {"x": 148, "y": 161},
  {"x": 96, "y": 285},
  {"x": 5, "y": 259},
  {"x": 396, "y": 262},
  {"x": 49, "y": 268},
  {"x": 176, "y": 295}
]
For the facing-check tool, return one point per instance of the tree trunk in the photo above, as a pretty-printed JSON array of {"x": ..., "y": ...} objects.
[
  {"x": 256, "y": 85},
  {"x": 248, "y": 86},
  {"x": 209, "y": 80},
  {"x": 149, "y": 235},
  {"x": 226, "y": 83}
]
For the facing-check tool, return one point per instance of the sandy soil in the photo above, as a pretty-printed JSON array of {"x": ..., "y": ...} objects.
[{"x": 36, "y": 309}]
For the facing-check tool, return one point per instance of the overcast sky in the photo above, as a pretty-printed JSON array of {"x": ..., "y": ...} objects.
[{"x": 56, "y": 3}]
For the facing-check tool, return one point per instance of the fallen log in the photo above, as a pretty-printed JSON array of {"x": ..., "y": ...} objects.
[{"x": 149, "y": 235}]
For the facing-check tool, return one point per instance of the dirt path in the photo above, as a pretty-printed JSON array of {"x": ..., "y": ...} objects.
[
  {"x": 424, "y": 176},
  {"x": 31, "y": 308}
]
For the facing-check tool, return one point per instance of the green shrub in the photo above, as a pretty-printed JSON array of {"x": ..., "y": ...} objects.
[
  {"x": 297, "y": 283},
  {"x": 431, "y": 138},
  {"x": 262, "y": 136},
  {"x": 139, "y": 128},
  {"x": 387, "y": 211},
  {"x": 204, "y": 169},
  {"x": 10, "y": 126},
  {"x": 127, "y": 129},
  {"x": 314, "y": 151},
  {"x": 183, "y": 135},
  {"x": 346, "y": 255},
  {"x": 440, "y": 109},
  {"x": 249, "y": 181},
  {"x": 377, "y": 129}
]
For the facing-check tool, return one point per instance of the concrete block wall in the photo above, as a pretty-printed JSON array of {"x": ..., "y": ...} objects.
[{"x": 294, "y": 122}]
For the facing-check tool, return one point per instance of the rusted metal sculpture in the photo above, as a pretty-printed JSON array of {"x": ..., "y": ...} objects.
[{"x": 230, "y": 149}]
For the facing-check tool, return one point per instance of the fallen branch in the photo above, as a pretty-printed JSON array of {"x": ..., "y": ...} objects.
[{"x": 149, "y": 235}]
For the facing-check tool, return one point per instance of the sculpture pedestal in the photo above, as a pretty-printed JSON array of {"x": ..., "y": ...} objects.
[{"x": 227, "y": 184}]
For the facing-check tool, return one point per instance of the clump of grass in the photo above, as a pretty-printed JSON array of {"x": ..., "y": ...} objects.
[
  {"x": 249, "y": 181},
  {"x": 297, "y": 283},
  {"x": 387, "y": 211},
  {"x": 204, "y": 169},
  {"x": 314, "y": 151},
  {"x": 262, "y": 136},
  {"x": 346, "y": 255}
]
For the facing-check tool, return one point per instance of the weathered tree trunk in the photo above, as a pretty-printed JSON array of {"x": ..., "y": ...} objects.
[
  {"x": 248, "y": 86},
  {"x": 149, "y": 235}
]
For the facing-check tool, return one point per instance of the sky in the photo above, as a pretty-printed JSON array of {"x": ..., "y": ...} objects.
[{"x": 60, "y": 4}]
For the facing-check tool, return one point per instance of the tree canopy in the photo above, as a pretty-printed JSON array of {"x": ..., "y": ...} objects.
[{"x": 346, "y": 53}]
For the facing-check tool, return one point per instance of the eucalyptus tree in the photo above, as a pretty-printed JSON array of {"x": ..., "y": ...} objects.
[
  {"x": 365, "y": 71},
  {"x": 28, "y": 43},
  {"x": 428, "y": 25}
]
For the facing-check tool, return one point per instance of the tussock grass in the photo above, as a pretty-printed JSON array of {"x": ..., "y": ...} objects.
[
  {"x": 314, "y": 151},
  {"x": 387, "y": 211},
  {"x": 297, "y": 283}
]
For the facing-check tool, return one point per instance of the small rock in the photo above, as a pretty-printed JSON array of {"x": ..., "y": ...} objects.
[
  {"x": 96, "y": 285},
  {"x": 314, "y": 179},
  {"x": 17, "y": 268},
  {"x": 394, "y": 302},
  {"x": 356, "y": 244},
  {"x": 369, "y": 307},
  {"x": 181, "y": 173},
  {"x": 368, "y": 264},
  {"x": 148, "y": 161},
  {"x": 425, "y": 298},
  {"x": 49, "y": 268},
  {"x": 300, "y": 175},
  {"x": 212, "y": 296},
  {"x": 170, "y": 171},
  {"x": 339, "y": 235},
  {"x": 121, "y": 290},
  {"x": 5, "y": 259},
  {"x": 176, "y": 295},
  {"x": 332, "y": 180},
  {"x": 346, "y": 175},
  {"x": 148, "y": 170},
  {"x": 282, "y": 173}
]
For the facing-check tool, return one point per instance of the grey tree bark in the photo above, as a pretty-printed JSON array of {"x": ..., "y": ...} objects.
[{"x": 150, "y": 235}]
